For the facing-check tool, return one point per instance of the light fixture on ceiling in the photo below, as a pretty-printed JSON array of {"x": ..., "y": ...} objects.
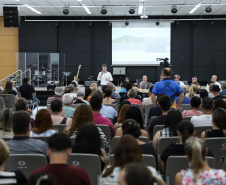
[
  {"x": 194, "y": 9},
  {"x": 174, "y": 9},
  {"x": 208, "y": 9},
  {"x": 66, "y": 10},
  {"x": 141, "y": 9},
  {"x": 86, "y": 9},
  {"x": 132, "y": 10},
  {"x": 79, "y": 0},
  {"x": 32, "y": 9},
  {"x": 17, "y": 0},
  {"x": 127, "y": 23},
  {"x": 104, "y": 10}
]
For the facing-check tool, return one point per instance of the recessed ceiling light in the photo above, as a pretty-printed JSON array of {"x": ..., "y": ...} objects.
[{"x": 17, "y": 0}]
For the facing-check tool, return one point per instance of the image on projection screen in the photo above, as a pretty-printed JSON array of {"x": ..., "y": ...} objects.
[{"x": 140, "y": 43}]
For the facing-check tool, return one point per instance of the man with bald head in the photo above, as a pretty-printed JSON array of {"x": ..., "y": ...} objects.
[
  {"x": 214, "y": 81},
  {"x": 168, "y": 87}
]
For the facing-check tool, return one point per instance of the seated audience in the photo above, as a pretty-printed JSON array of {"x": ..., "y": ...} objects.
[
  {"x": 88, "y": 141},
  {"x": 199, "y": 172},
  {"x": 165, "y": 105},
  {"x": 83, "y": 115},
  {"x": 96, "y": 104},
  {"x": 186, "y": 100},
  {"x": 121, "y": 117},
  {"x": 143, "y": 86},
  {"x": 210, "y": 93},
  {"x": 93, "y": 87},
  {"x": 80, "y": 98},
  {"x": 126, "y": 151},
  {"x": 108, "y": 99},
  {"x": 206, "y": 118},
  {"x": 145, "y": 79},
  {"x": 67, "y": 102},
  {"x": 203, "y": 93},
  {"x": 113, "y": 89},
  {"x": 192, "y": 91},
  {"x": 185, "y": 129},
  {"x": 123, "y": 88},
  {"x": 214, "y": 81},
  {"x": 218, "y": 121},
  {"x": 138, "y": 93},
  {"x": 6, "y": 123},
  {"x": 43, "y": 125},
  {"x": 132, "y": 95},
  {"x": 87, "y": 94},
  {"x": 194, "y": 80},
  {"x": 125, "y": 97},
  {"x": 73, "y": 91},
  {"x": 131, "y": 127},
  {"x": 67, "y": 90},
  {"x": 147, "y": 100},
  {"x": 134, "y": 173},
  {"x": 58, "y": 95},
  {"x": 219, "y": 103},
  {"x": 195, "y": 105},
  {"x": 177, "y": 79},
  {"x": 9, "y": 89},
  {"x": 173, "y": 118},
  {"x": 21, "y": 142},
  {"x": 155, "y": 111},
  {"x": 10, "y": 178},
  {"x": 28, "y": 92},
  {"x": 223, "y": 92},
  {"x": 59, "y": 150},
  {"x": 216, "y": 93},
  {"x": 134, "y": 113},
  {"x": 58, "y": 116},
  {"x": 121, "y": 105}
]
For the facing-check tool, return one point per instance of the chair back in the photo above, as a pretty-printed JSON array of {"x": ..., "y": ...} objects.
[
  {"x": 164, "y": 142},
  {"x": 115, "y": 106},
  {"x": 90, "y": 162},
  {"x": 26, "y": 163},
  {"x": 2, "y": 103},
  {"x": 187, "y": 119},
  {"x": 59, "y": 128},
  {"x": 76, "y": 105},
  {"x": 177, "y": 163},
  {"x": 42, "y": 138},
  {"x": 137, "y": 105},
  {"x": 199, "y": 130},
  {"x": 9, "y": 100},
  {"x": 157, "y": 128},
  {"x": 147, "y": 108},
  {"x": 107, "y": 131},
  {"x": 49, "y": 109}
]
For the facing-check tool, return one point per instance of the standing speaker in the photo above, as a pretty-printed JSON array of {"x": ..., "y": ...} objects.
[{"x": 11, "y": 16}]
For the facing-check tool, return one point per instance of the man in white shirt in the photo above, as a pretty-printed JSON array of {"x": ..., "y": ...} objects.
[
  {"x": 206, "y": 118},
  {"x": 214, "y": 81},
  {"x": 104, "y": 76},
  {"x": 177, "y": 78}
]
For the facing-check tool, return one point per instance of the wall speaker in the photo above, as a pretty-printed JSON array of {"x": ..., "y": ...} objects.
[{"x": 11, "y": 16}]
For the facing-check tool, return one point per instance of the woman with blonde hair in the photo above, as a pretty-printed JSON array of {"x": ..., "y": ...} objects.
[
  {"x": 193, "y": 90},
  {"x": 15, "y": 177},
  {"x": 200, "y": 172}
]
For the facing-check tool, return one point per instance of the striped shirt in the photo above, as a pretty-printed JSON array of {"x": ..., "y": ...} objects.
[
  {"x": 12, "y": 178},
  {"x": 46, "y": 133}
]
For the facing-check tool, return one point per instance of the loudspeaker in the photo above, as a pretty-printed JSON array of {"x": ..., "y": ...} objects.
[{"x": 11, "y": 16}]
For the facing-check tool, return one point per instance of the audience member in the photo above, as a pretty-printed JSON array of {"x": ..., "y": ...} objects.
[
  {"x": 93, "y": 87},
  {"x": 173, "y": 118},
  {"x": 59, "y": 150},
  {"x": 155, "y": 111},
  {"x": 125, "y": 97},
  {"x": 137, "y": 92},
  {"x": 147, "y": 100},
  {"x": 133, "y": 173},
  {"x": 219, "y": 103},
  {"x": 103, "y": 91},
  {"x": 43, "y": 125},
  {"x": 73, "y": 91},
  {"x": 186, "y": 100},
  {"x": 134, "y": 113},
  {"x": 210, "y": 93},
  {"x": 88, "y": 141},
  {"x": 195, "y": 105},
  {"x": 223, "y": 92},
  {"x": 165, "y": 105},
  {"x": 121, "y": 105},
  {"x": 206, "y": 118},
  {"x": 132, "y": 95},
  {"x": 121, "y": 117},
  {"x": 193, "y": 91},
  {"x": 108, "y": 99},
  {"x": 126, "y": 151},
  {"x": 194, "y": 80},
  {"x": 185, "y": 129},
  {"x": 218, "y": 121},
  {"x": 21, "y": 142},
  {"x": 10, "y": 178},
  {"x": 177, "y": 79},
  {"x": 80, "y": 98},
  {"x": 145, "y": 79},
  {"x": 67, "y": 101},
  {"x": 203, "y": 93},
  {"x": 123, "y": 88},
  {"x": 168, "y": 87},
  {"x": 6, "y": 123},
  {"x": 58, "y": 116},
  {"x": 28, "y": 92},
  {"x": 113, "y": 89},
  {"x": 9, "y": 89},
  {"x": 143, "y": 86},
  {"x": 216, "y": 93},
  {"x": 87, "y": 94},
  {"x": 214, "y": 81},
  {"x": 83, "y": 115},
  {"x": 131, "y": 127},
  {"x": 67, "y": 90},
  {"x": 96, "y": 104},
  {"x": 199, "y": 172},
  {"x": 58, "y": 95}
]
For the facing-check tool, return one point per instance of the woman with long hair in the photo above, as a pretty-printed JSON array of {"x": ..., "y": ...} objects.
[
  {"x": 9, "y": 89},
  {"x": 83, "y": 115},
  {"x": 193, "y": 90},
  {"x": 199, "y": 172},
  {"x": 173, "y": 118},
  {"x": 43, "y": 125}
]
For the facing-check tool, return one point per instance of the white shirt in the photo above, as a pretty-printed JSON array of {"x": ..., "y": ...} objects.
[
  {"x": 103, "y": 80},
  {"x": 108, "y": 112},
  {"x": 181, "y": 83},
  {"x": 215, "y": 83},
  {"x": 203, "y": 120}
]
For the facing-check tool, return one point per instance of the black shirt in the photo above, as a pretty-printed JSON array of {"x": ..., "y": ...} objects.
[
  {"x": 218, "y": 97},
  {"x": 27, "y": 91},
  {"x": 160, "y": 120},
  {"x": 154, "y": 111},
  {"x": 125, "y": 97},
  {"x": 12, "y": 92},
  {"x": 79, "y": 101},
  {"x": 214, "y": 133}
]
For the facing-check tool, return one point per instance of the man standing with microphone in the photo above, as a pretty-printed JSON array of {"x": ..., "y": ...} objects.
[{"x": 104, "y": 76}]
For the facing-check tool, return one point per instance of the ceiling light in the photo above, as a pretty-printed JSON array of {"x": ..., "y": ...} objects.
[
  {"x": 127, "y": 23},
  {"x": 79, "y": 0},
  {"x": 103, "y": 10},
  {"x": 208, "y": 9},
  {"x": 66, "y": 10},
  {"x": 17, "y": 0},
  {"x": 86, "y": 9},
  {"x": 194, "y": 9},
  {"x": 140, "y": 9},
  {"x": 132, "y": 10},
  {"x": 32, "y": 9},
  {"x": 174, "y": 9}
]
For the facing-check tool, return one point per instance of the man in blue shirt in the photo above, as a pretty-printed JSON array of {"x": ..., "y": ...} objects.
[
  {"x": 223, "y": 92},
  {"x": 168, "y": 87}
]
